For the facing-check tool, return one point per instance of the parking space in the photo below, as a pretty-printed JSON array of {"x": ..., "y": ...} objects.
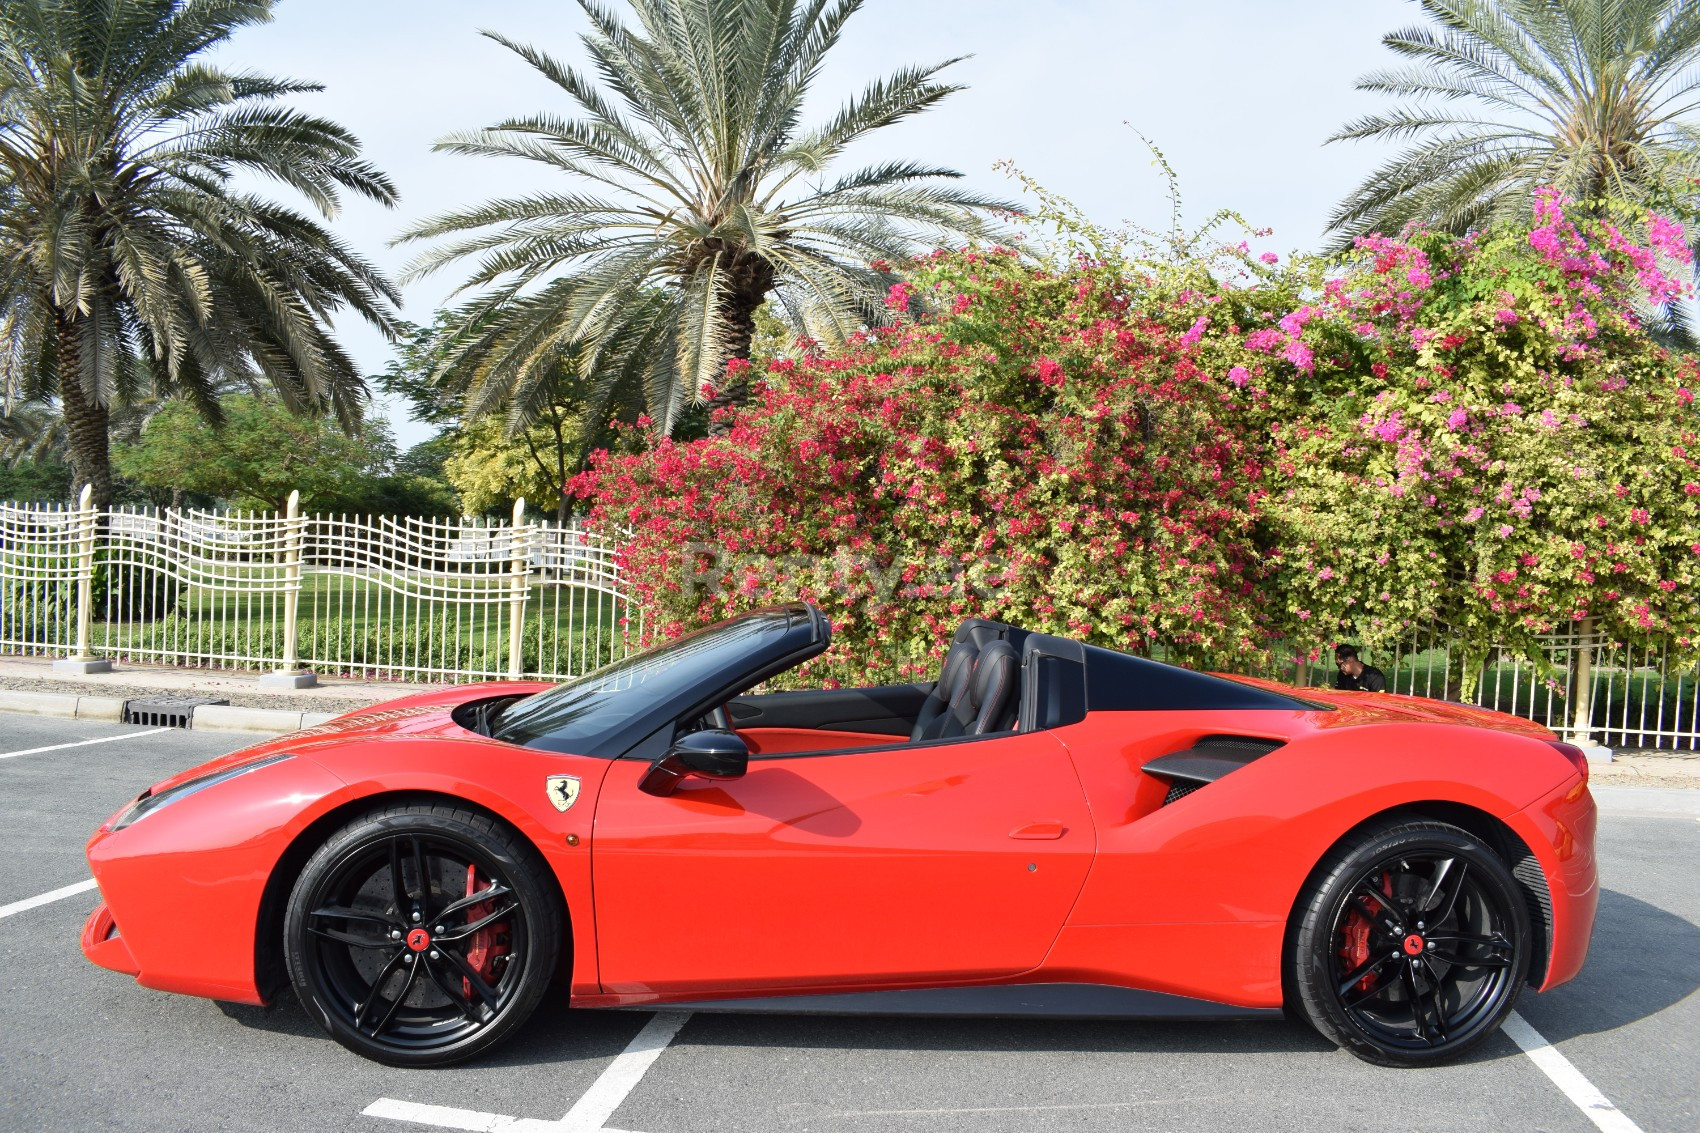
[{"x": 85, "y": 1048}]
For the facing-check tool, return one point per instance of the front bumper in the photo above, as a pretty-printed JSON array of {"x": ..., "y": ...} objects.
[
  {"x": 1559, "y": 829},
  {"x": 103, "y": 945}
]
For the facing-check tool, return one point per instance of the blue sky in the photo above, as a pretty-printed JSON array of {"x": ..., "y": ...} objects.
[{"x": 1240, "y": 95}]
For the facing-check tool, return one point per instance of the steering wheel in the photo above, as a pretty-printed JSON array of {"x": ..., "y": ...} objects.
[{"x": 719, "y": 718}]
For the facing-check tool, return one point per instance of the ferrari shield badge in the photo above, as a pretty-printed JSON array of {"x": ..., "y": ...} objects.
[{"x": 563, "y": 790}]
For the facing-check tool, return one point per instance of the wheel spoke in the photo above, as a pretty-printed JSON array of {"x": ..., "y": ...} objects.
[
  {"x": 398, "y": 883},
  {"x": 488, "y": 893},
  {"x": 337, "y": 913},
  {"x": 1367, "y": 968},
  {"x": 484, "y": 990},
  {"x": 1458, "y": 961},
  {"x": 375, "y": 992},
  {"x": 459, "y": 934},
  {"x": 455, "y": 995},
  {"x": 351, "y": 940},
  {"x": 1467, "y": 938},
  {"x": 401, "y": 997},
  {"x": 1432, "y": 897},
  {"x": 1448, "y": 900},
  {"x": 424, "y": 877},
  {"x": 1351, "y": 1003},
  {"x": 1389, "y": 915},
  {"x": 1434, "y": 994},
  {"x": 1408, "y": 976}
]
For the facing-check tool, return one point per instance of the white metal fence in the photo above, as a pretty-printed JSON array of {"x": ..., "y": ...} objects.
[
  {"x": 373, "y": 597},
  {"x": 418, "y": 599}
]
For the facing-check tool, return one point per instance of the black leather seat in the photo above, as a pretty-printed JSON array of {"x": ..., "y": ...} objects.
[
  {"x": 990, "y": 702},
  {"x": 948, "y": 692}
]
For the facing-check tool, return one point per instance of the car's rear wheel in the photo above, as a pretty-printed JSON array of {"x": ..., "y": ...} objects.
[
  {"x": 1412, "y": 944},
  {"x": 422, "y": 935}
]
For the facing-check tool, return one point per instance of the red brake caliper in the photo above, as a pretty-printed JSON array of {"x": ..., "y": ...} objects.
[
  {"x": 487, "y": 943},
  {"x": 1354, "y": 949}
]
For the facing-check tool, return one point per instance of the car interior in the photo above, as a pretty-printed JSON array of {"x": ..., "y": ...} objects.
[{"x": 979, "y": 692}]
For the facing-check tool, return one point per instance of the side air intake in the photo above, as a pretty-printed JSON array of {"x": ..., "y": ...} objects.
[{"x": 1206, "y": 761}]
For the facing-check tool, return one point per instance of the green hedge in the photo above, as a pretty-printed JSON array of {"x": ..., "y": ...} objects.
[{"x": 348, "y": 644}]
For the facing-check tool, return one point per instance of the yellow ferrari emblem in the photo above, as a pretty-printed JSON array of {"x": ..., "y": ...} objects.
[{"x": 563, "y": 790}]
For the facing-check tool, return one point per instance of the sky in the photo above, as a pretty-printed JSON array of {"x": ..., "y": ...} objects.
[{"x": 1239, "y": 94}]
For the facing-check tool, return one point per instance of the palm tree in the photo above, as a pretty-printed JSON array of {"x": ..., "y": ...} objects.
[
  {"x": 1592, "y": 96},
  {"x": 691, "y": 200},
  {"x": 128, "y": 257}
]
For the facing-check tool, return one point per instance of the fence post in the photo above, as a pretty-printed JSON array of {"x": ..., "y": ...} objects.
[
  {"x": 82, "y": 660},
  {"x": 1582, "y": 688},
  {"x": 519, "y": 567},
  {"x": 290, "y": 674}
]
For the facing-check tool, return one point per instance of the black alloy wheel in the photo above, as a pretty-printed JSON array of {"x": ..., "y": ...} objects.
[
  {"x": 1413, "y": 945},
  {"x": 422, "y": 935}
]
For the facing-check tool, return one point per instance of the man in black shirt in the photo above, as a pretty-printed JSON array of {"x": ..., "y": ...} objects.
[{"x": 1354, "y": 674}]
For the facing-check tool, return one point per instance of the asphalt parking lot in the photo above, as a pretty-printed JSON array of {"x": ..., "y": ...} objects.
[{"x": 83, "y": 1048}]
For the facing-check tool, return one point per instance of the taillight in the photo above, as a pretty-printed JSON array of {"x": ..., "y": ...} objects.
[{"x": 1573, "y": 754}]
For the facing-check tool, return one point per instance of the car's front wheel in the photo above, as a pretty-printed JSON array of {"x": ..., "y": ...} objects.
[
  {"x": 1411, "y": 945},
  {"x": 422, "y": 935}
]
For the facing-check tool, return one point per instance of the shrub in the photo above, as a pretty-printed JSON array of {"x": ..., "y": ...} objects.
[{"x": 1040, "y": 452}]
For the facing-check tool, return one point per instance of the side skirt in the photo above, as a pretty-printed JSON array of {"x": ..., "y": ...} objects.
[{"x": 1034, "y": 1001}]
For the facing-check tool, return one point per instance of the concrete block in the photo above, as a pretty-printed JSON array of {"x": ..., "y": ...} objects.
[
  {"x": 304, "y": 678},
  {"x": 228, "y": 718},
  {"x": 100, "y": 708},
  {"x": 81, "y": 668},
  {"x": 1596, "y": 753},
  {"x": 314, "y": 719},
  {"x": 38, "y": 703}
]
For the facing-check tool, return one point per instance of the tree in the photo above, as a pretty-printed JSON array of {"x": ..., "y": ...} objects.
[
  {"x": 490, "y": 465},
  {"x": 1590, "y": 96},
  {"x": 258, "y": 455},
  {"x": 128, "y": 258},
  {"x": 689, "y": 206}
]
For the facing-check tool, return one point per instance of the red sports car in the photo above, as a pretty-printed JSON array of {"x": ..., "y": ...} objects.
[{"x": 1049, "y": 829}]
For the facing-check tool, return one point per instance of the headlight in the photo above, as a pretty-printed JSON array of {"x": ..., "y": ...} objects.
[{"x": 151, "y": 802}]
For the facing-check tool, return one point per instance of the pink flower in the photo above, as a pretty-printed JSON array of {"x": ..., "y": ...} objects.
[
  {"x": 1457, "y": 420},
  {"x": 1505, "y": 530},
  {"x": 1507, "y": 317},
  {"x": 898, "y": 297},
  {"x": 1272, "y": 258},
  {"x": 1474, "y": 514},
  {"x": 1196, "y": 331},
  {"x": 1239, "y": 375},
  {"x": 1301, "y": 356}
]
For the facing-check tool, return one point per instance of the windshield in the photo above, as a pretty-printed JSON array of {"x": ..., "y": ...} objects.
[{"x": 576, "y": 715}]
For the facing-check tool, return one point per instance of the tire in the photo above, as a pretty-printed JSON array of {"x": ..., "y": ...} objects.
[
  {"x": 423, "y": 985},
  {"x": 1422, "y": 978}
]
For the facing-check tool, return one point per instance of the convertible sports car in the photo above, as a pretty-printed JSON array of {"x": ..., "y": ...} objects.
[{"x": 1049, "y": 829}]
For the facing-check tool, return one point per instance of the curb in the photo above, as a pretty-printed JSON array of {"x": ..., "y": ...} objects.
[
  {"x": 206, "y": 717},
  {"x": 66, "y": 705},
  {"x": 225, "y": 718}
]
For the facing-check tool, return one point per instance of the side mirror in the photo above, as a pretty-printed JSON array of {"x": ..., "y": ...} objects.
[{"x": 709, "y": 755}]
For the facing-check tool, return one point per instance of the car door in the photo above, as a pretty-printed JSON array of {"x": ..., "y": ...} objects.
[{"x": 913, "y": 863}]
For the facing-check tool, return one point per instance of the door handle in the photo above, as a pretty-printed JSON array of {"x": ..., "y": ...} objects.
[{"x": 1039, "y": 831}]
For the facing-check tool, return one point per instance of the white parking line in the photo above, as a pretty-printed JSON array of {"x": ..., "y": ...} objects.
[
  {"x": 46, "y": 898},
  {"x": 588, "y": 1114},
  {"x": 82, "y": 743},
  {"x": 1587, "y": 1097}
]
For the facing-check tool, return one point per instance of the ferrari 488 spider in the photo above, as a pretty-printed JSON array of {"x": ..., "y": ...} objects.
[{"x": 1049, "y": 829}]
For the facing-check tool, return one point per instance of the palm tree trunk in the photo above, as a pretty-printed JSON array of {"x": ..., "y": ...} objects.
[
  {"x": 85, "y": 420},
  {"x": 751, "y": 280}
]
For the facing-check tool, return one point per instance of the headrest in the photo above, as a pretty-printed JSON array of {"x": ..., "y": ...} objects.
[{"x": 995, "y": 671}]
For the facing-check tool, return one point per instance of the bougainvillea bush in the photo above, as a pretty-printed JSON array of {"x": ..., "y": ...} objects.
[
  {"x": 1478, "y": 435},
  {"x": 1208, "y": 452},
  {"x": 1038, "y": 450}
]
